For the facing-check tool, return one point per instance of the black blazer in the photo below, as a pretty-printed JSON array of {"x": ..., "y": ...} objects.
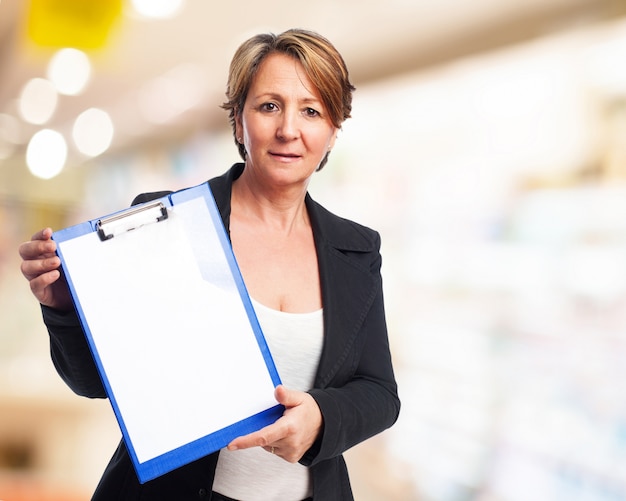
[{"x": 354, "y": 386}]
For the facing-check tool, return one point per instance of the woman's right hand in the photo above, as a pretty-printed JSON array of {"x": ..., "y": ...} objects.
[{"x": 40, "y": 266}]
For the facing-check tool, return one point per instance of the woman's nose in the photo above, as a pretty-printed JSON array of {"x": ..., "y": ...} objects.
[{"x": 288, "y": 127}]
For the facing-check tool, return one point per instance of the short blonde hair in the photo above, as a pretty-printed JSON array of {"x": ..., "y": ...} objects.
[{"x": 321, "y": 61}]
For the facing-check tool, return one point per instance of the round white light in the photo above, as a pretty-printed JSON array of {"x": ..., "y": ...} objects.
[
  {"x": 46, "y": 154},
  {"x": 38, "y": 101},
  {"x": 69, "y": 70},
  {"x": 159, "y": 9},
  {"x": 93, "y": 132}
]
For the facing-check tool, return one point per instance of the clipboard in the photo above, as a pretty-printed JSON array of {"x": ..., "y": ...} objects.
[{"x": 171, "y": 328}]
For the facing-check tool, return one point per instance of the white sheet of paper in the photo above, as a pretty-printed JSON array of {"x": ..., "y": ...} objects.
[{"x": 170, "y": 329}]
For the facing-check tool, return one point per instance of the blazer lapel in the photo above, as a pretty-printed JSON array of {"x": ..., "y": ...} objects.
[{"x": 348, "y": 288}]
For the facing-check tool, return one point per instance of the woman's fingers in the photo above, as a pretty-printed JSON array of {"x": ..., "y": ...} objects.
[
  {"x": 291, "y": 435},
  {"x": 40, "y": 266}
]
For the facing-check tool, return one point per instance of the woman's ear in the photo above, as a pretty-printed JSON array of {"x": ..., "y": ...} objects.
[
  {"x": 238, "y": 126},
  {"x": 331, "y": 145}
]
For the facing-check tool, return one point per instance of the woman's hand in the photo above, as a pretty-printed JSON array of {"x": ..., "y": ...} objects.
[
  {"x": 40, "y": 266},
  {"x": 291, "y": 435}
]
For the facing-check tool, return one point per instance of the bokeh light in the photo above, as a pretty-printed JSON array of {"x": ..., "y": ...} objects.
[
  {"x": 93, "y": 132},
  {"x": 69, "y": 70},
  {"x": 38, "y": 101},
  {"x": 46, "y": 154},
  {"x": 159, "y": 9}
]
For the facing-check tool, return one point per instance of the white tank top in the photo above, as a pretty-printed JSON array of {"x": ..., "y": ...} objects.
[{"x": 295, "y": 341}]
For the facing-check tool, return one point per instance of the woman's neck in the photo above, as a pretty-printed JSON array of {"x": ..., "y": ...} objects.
[{"x": 277, "y": 208}]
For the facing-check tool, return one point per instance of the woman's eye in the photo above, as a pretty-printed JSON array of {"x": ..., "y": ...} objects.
[
  {"x": 310, "y": 112},
  {"x": 268, "y": 107}
]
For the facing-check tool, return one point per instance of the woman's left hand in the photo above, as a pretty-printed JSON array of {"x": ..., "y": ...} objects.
[{"x": 291, "y": 435}]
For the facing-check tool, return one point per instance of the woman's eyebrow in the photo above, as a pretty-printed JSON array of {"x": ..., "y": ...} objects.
[{"x": 274, "y": 95}]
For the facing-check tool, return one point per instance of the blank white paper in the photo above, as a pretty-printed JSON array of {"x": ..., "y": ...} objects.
[{"x": 170, "y": 329}]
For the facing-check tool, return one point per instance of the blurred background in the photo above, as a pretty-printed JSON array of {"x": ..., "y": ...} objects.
[{"x": 487, "y": 145}]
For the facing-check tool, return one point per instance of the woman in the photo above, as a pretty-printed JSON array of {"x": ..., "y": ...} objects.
[{"x": 314, "y": 279}]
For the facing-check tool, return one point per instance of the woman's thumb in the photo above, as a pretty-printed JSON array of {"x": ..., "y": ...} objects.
[{"x": 286, "y": 397}]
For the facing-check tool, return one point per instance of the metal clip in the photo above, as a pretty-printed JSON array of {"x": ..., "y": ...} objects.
[{"x": 130, "y": 219}]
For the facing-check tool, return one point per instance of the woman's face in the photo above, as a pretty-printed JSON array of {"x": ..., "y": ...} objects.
[{"x": 284, "y": 125}]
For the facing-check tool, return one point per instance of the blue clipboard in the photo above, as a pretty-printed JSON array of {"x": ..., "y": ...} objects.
[{"x": 171, "y": 327}]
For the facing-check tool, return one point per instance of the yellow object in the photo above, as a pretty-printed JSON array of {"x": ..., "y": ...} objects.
[{"x": 82, "y": 24}]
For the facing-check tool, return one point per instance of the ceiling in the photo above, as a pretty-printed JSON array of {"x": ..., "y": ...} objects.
[{"x": 377, "y": 39}]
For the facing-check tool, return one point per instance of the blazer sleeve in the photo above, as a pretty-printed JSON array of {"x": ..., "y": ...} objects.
[
  {"x": 362, "y": 400},
  {"x": 71, "y": 354}
]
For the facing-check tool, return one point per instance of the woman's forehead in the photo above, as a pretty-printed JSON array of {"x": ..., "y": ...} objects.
[{"x": 279, "y": 74}]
